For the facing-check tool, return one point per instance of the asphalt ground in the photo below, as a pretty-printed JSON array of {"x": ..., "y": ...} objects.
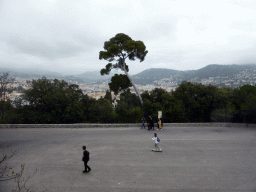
[{"x": 192, "y": 159}]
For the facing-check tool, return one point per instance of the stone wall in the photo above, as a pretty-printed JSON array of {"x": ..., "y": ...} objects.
[{"x": 85, "y": 125}]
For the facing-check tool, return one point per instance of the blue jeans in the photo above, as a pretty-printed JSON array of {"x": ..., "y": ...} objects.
[{"x": 143, "y": 125}]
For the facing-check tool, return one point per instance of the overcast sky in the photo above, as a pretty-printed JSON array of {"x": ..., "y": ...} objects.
[{"x": 66, "y": 36}]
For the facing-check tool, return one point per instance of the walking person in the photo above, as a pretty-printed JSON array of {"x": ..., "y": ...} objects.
[
  {"x": 143, "y": 121},
  {"x": 156, "y": 140},
  {"x": 85, "y": 159}
]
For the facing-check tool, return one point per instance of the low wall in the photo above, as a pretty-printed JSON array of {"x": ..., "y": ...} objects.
[
  {"x": 85, "y": 125},
  {"x": 209, "y": 125}
]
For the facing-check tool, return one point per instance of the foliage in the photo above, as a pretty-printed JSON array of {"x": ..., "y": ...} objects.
[
  {"x": 173, "y": 110},
  {"x": 130, "y": 99},
  {"x": 53, "y": 102},
  {"x": 119, "y": 83},
  {"x": 121, "y": 111},
  {"x": 197, "y": 100},
  {"x": 108, "y": 96},
  {"x": 58, "y": 102},
  {"x": 100, "y": 111},
  {"x": 5, "y": 105},
  {"x": 122, "y": 47},
  {"x": 134, "y": 115},
  {"x": 118, "y": 49},
  {"x": 160, "y": 100},
  {"x": 244, "y": 101},
  {"x": 222, "y": 115},
  {"x": 128, "y": 109}
]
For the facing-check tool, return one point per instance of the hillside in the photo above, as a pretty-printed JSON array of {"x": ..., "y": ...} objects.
[
  {"x": 154, "y": 76},
  {"x": 150, "y": 76},
  {"x": 216, "y": 70}
]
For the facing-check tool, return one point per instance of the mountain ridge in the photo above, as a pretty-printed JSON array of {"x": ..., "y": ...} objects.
[{"x": 148, "y": 76}]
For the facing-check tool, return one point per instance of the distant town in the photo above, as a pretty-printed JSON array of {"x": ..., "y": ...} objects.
[
  {"x": 97, "y": 88},
  {"x": 247, "y": 76},
  {"x": 94, "y": 90}
]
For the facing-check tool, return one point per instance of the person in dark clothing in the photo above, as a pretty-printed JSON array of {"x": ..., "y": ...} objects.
[
  {"x": 85, "y": 159},
  {"x": 148, "y": 122},
  {"x": 152, "y": 123},
  {"x": 143, "y": 121}
]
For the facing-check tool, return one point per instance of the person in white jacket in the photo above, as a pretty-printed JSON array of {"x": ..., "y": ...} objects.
[{"x": 156, "y": 142}]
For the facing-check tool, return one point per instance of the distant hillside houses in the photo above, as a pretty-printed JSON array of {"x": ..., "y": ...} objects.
[{"x": 168, "y": 79}]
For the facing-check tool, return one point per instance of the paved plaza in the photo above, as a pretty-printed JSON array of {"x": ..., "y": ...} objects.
[{"x": 195, "y": 159}]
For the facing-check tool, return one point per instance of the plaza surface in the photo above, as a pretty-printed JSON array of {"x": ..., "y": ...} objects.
[{"x": 193, "y": 159}]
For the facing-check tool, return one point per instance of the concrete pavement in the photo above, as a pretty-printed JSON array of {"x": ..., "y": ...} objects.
[{"x": 193, "y": 159}]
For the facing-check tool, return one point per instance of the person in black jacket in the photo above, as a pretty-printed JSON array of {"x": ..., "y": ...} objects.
[
  {"x": 151, "y": 123},
  {"x": 85, "y": 159}
]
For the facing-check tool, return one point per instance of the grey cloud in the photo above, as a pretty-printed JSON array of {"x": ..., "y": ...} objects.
[
  {"x": 53, "y": 50},
  {"x": 245, "y": 57},
  {"x": 154, "y": 28},
  {"x": 68, "y": 35}
]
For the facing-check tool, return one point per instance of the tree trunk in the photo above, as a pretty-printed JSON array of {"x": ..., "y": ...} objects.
[{"x": 136, "y": 90}]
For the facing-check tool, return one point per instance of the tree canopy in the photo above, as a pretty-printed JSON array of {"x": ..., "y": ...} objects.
[
  {"x": 119, "y": 83},
  {"x": 55, "y": 101},
  {"x": 117, "y": 50}
]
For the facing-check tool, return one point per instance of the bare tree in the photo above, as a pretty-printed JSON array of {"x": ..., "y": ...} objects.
[
  {"x": 7, "y": 173},
  {"x": 4, "y": 81},
  {"x": 4, "y": 102}
]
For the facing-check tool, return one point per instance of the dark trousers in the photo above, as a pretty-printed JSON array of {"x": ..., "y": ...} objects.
[{"x": 86, "y": 166}]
